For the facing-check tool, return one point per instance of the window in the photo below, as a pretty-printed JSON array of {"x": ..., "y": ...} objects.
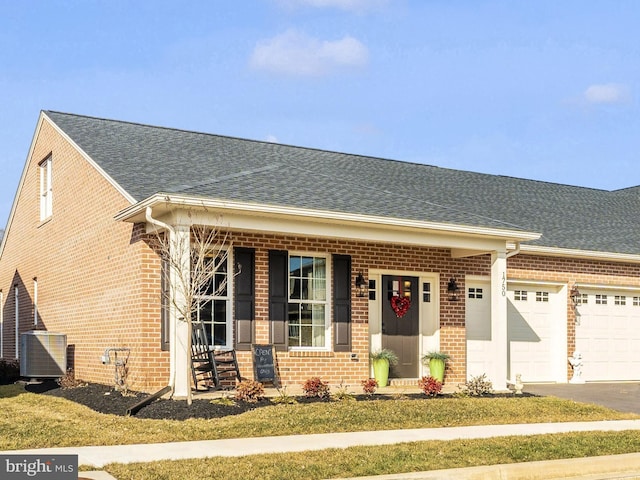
[
  {"x": 308, "y": 310},
  {"x": 636, "y": 303},
  {"x": 213, "y": 302},
  {"x": 601, "y": 299},
  {"x": 520, "y": 295},
  {"x": 475, "y": 292},
  {"x": 542, "y": 296},
  {"x": 582, "y": 299},
  {"x": 620, "y": 300},
  {"x": 426, "y": 292},
  {"x": 45, "y": 189}
]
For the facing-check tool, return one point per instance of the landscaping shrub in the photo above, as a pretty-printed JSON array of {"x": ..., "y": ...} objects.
[
  {"x": 69, "y": 380},
  {"x": 478, "y": 386},
  {"x": 430, "y": 386},
  {"x": 9, "y": 371},
  {"x": 369, "y": 386},
  {"x": 249, "y": 391},
  {"x": 314, "y": 387}
]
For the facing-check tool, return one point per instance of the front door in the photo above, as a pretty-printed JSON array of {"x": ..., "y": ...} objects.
[{"x": 401, "y": 323}]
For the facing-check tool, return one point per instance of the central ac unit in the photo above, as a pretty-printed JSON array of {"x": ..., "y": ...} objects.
[{"x": 43, "y": 354}]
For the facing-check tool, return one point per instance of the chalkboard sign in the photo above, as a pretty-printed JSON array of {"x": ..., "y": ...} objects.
[{"x": 264, "y": 364}]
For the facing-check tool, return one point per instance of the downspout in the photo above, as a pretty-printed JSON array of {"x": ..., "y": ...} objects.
[
  {"x": 518, "y": 384},
  {"x": 162, "y": 225},
  {"x": 514, "y": 252}
]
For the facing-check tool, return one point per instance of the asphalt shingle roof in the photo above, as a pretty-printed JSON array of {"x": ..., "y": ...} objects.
[{"x": 145, "y": 160}]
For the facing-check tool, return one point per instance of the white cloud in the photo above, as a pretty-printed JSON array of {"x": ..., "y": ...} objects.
[
  {"x": 607, "y": 93},
  {"x": 349, "y": 5},
  {"x": 295, "y": 53},
  {"x": 271, "y": 139}
]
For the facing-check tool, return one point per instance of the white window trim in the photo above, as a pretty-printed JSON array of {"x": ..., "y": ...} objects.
[
  {"x": 46, "y": 190},
  {"x": 227, "y": 298},
  {"x": 327, "y": 302}
]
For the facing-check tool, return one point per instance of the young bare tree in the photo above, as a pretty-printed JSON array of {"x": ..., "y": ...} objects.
[{"x": 192, "y": 258}]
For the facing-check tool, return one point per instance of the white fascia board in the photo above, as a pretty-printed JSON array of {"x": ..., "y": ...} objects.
[
  {"x": 288, "y": 220},
  {"x": 113, "y": 183},
  {"x": 583, "y": 254}
]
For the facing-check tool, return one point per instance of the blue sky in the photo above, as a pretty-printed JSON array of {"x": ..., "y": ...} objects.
[{"x": 544, "y": 89}]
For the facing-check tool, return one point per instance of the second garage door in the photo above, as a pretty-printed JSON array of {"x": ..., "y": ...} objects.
[{"x": 608, "y": 334}]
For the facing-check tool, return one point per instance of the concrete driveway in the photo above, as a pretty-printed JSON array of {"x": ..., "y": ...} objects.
[{"x": 622, "y": 396}]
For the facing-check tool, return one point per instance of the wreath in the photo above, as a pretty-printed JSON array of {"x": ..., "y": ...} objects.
[{"x": 400, "y": 305}]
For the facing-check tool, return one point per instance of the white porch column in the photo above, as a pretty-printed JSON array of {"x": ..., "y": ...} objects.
[
  {"x": 180, "y": 244},
  {"x": 499, "y": 319}
]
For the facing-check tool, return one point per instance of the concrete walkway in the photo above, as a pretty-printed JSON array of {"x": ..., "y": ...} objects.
[{"x": 100, "y": 456}]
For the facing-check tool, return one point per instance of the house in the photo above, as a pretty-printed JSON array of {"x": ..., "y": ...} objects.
[{"x": 330, "y": 256}]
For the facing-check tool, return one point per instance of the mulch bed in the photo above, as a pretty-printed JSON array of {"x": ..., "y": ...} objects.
[{"x": 105, "y": 399}]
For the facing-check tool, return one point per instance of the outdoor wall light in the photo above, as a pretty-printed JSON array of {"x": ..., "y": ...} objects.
[
  {"x": 361, "y": 285},
  {"x": 574, "y": 293},
  {"x": 452, "y": 289}
]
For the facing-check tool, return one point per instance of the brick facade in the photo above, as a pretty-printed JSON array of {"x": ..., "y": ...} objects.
[{"x": 98, "y": 280}]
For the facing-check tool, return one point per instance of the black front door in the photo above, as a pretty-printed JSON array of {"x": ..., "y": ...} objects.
[{"x": 401, "y": 323}]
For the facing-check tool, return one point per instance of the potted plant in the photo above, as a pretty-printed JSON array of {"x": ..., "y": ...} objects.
[
  {"x": 436, "y": 362},
  {"x": 381, "y": 360}
]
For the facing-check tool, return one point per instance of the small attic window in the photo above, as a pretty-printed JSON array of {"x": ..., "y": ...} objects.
[{"x": 46, "y": 203}]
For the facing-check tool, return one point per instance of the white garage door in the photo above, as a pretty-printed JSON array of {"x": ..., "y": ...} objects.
[
  {"x": 608, "y": 334},
  {"x": 480, "y": 354},
  {"x": 536, "y": 324}
]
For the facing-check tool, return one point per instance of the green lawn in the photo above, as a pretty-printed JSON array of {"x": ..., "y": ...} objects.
[{"x": 33, "y": 421}]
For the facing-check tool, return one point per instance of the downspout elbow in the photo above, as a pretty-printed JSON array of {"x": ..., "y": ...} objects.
[
  {"x": 514, "y": 252},
  {"x": 155, "y": 221}
]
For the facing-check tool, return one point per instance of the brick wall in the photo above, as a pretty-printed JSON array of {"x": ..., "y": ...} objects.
[
  {"x": 96, "y": 282},
  {"x": 338, "y": 367}
]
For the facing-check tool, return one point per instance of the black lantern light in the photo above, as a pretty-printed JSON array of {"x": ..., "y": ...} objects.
[
  {"x": 361, "y": 285},
  {"x": 452, "y": 289},
  {"x": 574, "y": 293}
]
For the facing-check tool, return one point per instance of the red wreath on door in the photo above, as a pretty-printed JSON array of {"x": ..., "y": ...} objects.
[{"x": 399, "y": 302}]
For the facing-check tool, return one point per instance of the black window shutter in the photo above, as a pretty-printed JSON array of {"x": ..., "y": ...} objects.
[
  {"x": 278, "y": 297},
  {"x": 342, "y": 303},
  {"x": 245, "y": 300}
]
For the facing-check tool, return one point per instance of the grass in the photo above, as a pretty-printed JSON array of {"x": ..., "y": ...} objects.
[
  {"x": 30, "y": 420},
  {"x": 36, "y": 421},
  {"x": 409, "y": 457}
]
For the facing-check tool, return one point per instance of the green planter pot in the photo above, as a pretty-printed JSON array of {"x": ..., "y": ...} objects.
[
  {"x": 381, "y": 371},
  {"x": 436, "y": 369}
]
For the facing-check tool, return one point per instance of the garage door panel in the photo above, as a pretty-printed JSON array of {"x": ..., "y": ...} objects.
[
  {"x": 530, "y": 313},
  {"x": 480, "y": 354},
  {"x": 607, "y": 335}
]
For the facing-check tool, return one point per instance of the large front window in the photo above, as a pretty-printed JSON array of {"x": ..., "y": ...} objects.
[
  {"x": 213, "y": 302},
  {"x": 308, "y": 309}
]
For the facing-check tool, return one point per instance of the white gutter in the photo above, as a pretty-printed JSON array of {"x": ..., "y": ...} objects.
[
  {"x": 324, "y": 215},
  {"x": 585, "y": 254}
]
